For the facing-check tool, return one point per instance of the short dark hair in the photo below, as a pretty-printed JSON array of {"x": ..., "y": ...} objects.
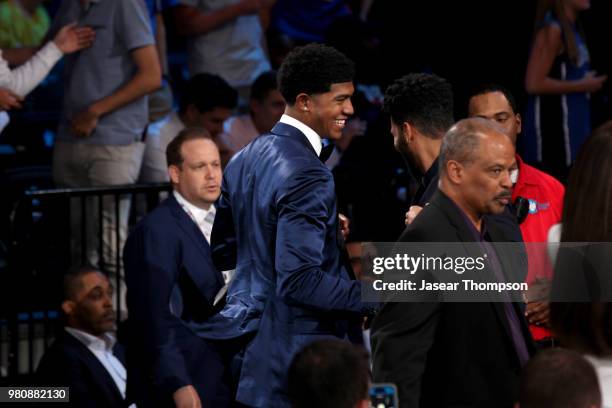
[
  {"x": 489, "y": 88},
  {"x": 559, "y": 378},
  {"x": 423, "y": 100},
  {"x": 329, "y": 374},
  {"x": 72, "y": 283},
  {"x": 207, "y": 92},
  {"x": 312, "y": 69},
  {"x": 461, "y": 142},
  {"x": 173, "y": 150},
  {"x": 263, "y": 85}
]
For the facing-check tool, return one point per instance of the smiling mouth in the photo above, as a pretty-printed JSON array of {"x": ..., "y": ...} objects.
[{"x": 340, "y": 122}]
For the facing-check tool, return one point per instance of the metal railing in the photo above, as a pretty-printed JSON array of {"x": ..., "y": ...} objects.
[{"x": 51, "y": 231}]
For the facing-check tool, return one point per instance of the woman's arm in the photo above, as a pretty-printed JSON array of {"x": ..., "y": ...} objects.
[{"x": 547, "y": 45}]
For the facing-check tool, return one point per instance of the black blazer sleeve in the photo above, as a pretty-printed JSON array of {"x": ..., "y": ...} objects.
[{"x": 402, "y": 334}]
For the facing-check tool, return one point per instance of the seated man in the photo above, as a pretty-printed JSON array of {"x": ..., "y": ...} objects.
[
  {"x": 84, "y": 356},
  {"x": 206, "y": 103},
  {"x": 330, "y": 373},
  {"x": 266, "y": 106},
  {"x": 172, "y": 285},
  {"x": 560, "y": 379}
]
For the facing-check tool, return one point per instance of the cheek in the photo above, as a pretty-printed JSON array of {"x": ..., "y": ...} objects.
[
  {"x": 192, "y": 181},
  {"x": 483, "y": 187},
  {"x": 509, "y": 127},
  {"x": 492, "y": 188},
  {"x": 91, "y": 311}
]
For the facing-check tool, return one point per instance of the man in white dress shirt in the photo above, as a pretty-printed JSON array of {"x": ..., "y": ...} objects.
[
  {"x": 266, "y": 106},
  {"x": 85, "y": 356},
  {"x": 206, "y": 103}
]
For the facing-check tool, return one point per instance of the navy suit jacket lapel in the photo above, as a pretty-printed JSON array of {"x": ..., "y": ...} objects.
[
  {"x": 191, "y": 229},
  {"x": 98, "y": 371},
  {"x": 284, "y": 129}
]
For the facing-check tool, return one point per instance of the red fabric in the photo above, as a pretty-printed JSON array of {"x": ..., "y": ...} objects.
[{"x": 545, "y": 195}]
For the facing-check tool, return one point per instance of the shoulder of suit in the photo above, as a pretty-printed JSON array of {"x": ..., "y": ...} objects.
[
  {"x": 65, "y": 346},
  {"x": 431, "y": 225},
  {"x": 161, "y": 219},
  {"x": 271, "y": 144}
]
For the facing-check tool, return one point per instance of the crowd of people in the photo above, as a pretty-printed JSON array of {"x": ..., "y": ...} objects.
[{"x": 244, "y": 285}]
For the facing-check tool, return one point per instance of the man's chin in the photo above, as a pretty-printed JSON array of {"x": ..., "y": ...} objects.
[
  {"x": 210, "y": 199},
  {"x": 497, "y": 208}
]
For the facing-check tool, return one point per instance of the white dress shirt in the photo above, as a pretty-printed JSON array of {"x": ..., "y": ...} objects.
[
  {"x": 102, "y": 348},
  {"x": 312, "y": 136},
  {"x": 204, "y": 219}
]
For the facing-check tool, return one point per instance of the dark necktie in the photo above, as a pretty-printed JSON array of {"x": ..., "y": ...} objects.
[{"x": 326, "y": 151}]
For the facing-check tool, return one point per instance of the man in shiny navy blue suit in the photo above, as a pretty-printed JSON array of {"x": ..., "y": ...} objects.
[
  {"x": 277, "y": 225},
  {"x": 172, "y": 284}
]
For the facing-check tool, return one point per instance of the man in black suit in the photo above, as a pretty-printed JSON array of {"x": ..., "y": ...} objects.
[
  {"x": 458, "y": 354},
  {"x": 84, "y": 355},
  {"x": 172, "y": 284}
]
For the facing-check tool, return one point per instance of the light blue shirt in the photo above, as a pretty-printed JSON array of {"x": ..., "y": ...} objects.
[
  {"x": 102, "y": 348},
  {"x": 96, "y": 72},
  {"x": 234, "y": 51}
]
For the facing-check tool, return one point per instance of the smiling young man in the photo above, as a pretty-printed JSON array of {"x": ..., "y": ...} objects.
[{"x": 277, "y": 225}]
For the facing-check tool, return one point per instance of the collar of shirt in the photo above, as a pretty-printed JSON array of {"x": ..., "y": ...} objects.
[
  {"x": 104, "y": 343},
  {"x": 311, "y": 135},
  {"x": 198, "y": 213}
]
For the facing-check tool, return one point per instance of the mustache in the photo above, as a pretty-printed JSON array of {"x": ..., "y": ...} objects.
[
  {"x": 109, "y": 314},
  {"x": 504, "y": 194}
]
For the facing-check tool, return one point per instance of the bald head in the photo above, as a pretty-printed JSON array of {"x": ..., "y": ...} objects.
[
  {"x": 461, "y": 143},
  {"x": 476, "y": 159}
]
